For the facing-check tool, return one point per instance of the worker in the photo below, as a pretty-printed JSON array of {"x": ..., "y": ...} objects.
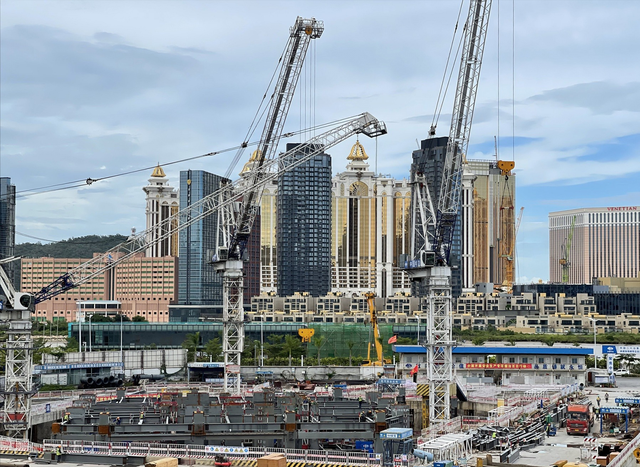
[
  {"x": 494, "y": 435},
  {"x": 360, "y": 401},
  {"x": 58, "y": 453},
  {"x": 66, "y": 417},
  {"x": 118, "y": 421},
  {"x": 141, "y": 418},
  {"x": 598, "y": 401},
  {"x": 606, "y": 397}
]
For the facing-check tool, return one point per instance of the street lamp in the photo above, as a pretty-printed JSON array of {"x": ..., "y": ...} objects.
[
  {"x": 595, "y": 345},
  {"x": 90, "y": 316}
]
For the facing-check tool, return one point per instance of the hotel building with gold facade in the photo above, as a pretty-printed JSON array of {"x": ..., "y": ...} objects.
[{"x": 370, "y": 217}]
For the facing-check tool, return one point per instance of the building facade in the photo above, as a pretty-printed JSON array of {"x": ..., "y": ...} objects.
[
  {"x": 488, "y": 223},
  {"x": 370, "y": 229},
  {"x": 303, "y": 232},
  {"x": 8, "y": 228},
  {"x": 162, "y": 203},
  {"x": 144, "y": 286},
  {"x": 429, "y": 160},
  {"x": 605, "y": 243},
  {"x": 370, "y": 216},
  {"x": 198, "y": 282}
]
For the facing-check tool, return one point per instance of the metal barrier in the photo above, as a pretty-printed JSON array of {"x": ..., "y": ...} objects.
[
  {"x": 12, "y": 444},
  {"x": 208, "y": 452}
]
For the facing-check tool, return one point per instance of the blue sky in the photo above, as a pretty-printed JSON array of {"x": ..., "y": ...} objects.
[{"x": 89, "y": 89}]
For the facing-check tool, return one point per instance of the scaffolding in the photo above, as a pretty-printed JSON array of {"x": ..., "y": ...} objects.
[{"x": 454, "y": 446}]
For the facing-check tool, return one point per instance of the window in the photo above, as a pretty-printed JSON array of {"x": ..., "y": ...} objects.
[
  {"x": 574, "y": 360},
  {"x": 512, "y": 359},
  {"x": 540, "y": 359},
  {"x": 525, "y": 360},
  {"x": 558, "y": 359}
]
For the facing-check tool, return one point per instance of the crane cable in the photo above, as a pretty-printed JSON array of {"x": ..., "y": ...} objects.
[
  {"x": 439, "y": 102},
  {"x": 90, "y": 181}
]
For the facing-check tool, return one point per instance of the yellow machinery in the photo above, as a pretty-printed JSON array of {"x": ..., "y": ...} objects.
[{"x": 376, "y": 335}]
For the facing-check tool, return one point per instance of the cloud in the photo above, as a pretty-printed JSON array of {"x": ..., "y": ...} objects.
[{"x": 600, "y": 97}]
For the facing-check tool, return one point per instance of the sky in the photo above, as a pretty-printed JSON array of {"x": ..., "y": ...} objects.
[{"x": 90, "y": 89}]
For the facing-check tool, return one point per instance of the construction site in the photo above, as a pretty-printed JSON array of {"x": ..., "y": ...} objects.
[{"x": 437, "y": 403}]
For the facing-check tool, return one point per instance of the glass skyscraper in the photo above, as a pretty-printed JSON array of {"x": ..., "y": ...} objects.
[
  {"x": 198, "y": 282},
  {"x": 8, "y": 227},
  {"x": 429, "y": 160},
  {"x": 303, "y": 231}
]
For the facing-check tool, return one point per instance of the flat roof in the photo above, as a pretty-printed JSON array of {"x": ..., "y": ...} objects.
[{"x": 418, "y": 349}]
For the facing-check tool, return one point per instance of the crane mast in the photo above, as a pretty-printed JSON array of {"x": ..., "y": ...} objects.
[
  {"x": 236, "y": 221},
  {"x": 434, "y": 222}
]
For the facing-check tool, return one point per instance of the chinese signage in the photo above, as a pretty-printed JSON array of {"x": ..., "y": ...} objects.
[
  {"x": 618, "y": 410},
  {"x": 627, "y": 400},
  {"x": 498, "y": 366},
  {"x": 75, "y": 366},
  {"x": 621, "y": 349}
]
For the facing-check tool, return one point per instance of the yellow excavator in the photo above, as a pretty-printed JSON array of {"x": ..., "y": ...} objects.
[{"x": 380, "y": 360}]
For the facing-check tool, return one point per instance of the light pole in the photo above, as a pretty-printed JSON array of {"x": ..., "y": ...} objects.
[
  {"x": 121, "y": 348},
  {"x": 595, "y": 345},
  {"x": 90, "y": 316},
  {"x": 262, "y": 342}
]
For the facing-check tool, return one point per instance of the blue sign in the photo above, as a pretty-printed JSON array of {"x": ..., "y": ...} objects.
[
  {"x": 618, "y": 410},
  {"x": 627, "y": 400},
  {"x": 396, "y": 433},
  {"x": 609, "y": 349},
  {"x": 47, "y": 408},
  {"x": 390, "y": 381},
  {"x": 366, "y": 446},
  {"x": 264, "y": 372}
]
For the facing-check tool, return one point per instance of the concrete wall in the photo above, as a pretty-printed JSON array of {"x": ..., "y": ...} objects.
[{"x": 301, "y": 373}]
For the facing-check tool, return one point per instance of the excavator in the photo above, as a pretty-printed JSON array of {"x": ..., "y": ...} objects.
[{"x": 380, "y": 360}]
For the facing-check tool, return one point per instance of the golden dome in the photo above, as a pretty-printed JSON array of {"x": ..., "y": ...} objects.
[
  {"x": 357, "y": 153},
  {"x": 158, "y": 172}
]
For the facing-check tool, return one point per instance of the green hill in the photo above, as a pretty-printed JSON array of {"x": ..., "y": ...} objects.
[{"x": 81, "y": 247}]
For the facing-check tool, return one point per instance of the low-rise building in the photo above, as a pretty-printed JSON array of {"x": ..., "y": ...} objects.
[{"x": 504, "y": 364}]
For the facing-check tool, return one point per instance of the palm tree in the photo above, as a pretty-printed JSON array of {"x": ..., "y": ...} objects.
[
  {"x": 291, "y": 345},
  {"x": 191, "y": 343},
  {"x": 319, "y": 342},
  {"x": 350, "y": 345}
]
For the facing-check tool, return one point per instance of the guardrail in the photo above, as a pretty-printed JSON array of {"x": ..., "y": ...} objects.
[
  {"x": 627, "y": 455},
  {"x": 12, "y": 444},
  {"x": 183, "y": 451}
]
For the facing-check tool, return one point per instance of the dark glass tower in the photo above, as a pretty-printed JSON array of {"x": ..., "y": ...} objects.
[
  {"x": 429, "y": 160},
  {"x": 304, "y": 228},
  {"x": 8, "y": 228},
  {"x": 198, "y": 282}
]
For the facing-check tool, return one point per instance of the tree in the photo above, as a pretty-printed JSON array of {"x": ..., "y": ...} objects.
[
  {"x": 139, "y": 319},
  {"x": 213, "y": 349},
  {"x": 191, "y": 343},
  {"x": 292, "y": 346},
  {"x": 319, "y": 342},
  {"x": 350, "y": 345}
]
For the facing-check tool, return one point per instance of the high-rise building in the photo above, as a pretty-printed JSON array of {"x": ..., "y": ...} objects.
[
  {"x": 429, "y": 160},
  {"x": 268, "y": 244},
  {"x": 8, "y": 228},
  {"x": 303, "y": 231},
  {"x": 162, "y": 203},
  {"x": 605, "y": 243},
  {"x": 370, "y": 229},
  {"x": 488, "y": 222},
  {"x": 144, "y": 286},
  {"x": 198, "y": 282}
]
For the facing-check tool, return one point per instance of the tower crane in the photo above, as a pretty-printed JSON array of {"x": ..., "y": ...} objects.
[
  {"x": 566, "y": 249},
  {"x": 17, "y": 307},
  {"x": 434, "y": 224}
]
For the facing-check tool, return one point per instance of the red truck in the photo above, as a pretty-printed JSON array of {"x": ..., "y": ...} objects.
[{"x": 579, "y": 419}]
